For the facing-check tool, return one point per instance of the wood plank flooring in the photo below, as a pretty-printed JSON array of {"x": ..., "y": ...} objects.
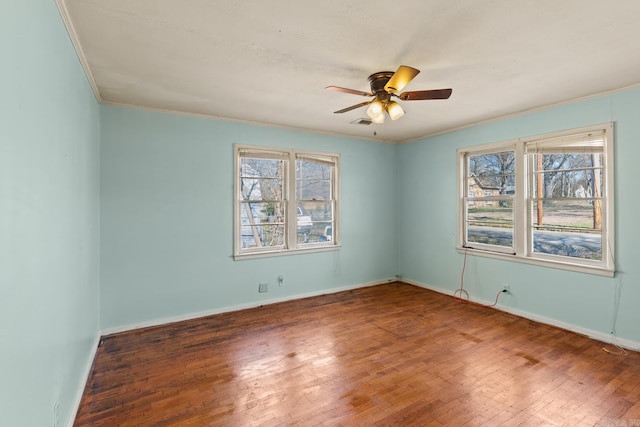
[{"x": 388, "y": 355}]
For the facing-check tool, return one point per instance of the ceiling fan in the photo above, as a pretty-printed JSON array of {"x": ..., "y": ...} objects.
[{"x": 384, "y": 86}]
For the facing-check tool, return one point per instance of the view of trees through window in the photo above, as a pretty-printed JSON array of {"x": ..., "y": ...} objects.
[
  {"x": 566, "y": 208},
  {"x": 265, "y": 184},
  {"x": 491, "y": 187},
  {"x": 262, "y": 202},
  {"x": 315, "y": 200},
  {"x": 565, "y": 187}
]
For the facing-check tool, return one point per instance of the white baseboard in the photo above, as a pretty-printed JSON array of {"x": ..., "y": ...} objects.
[
  {"x": 190, "y": 316},
  {"x": 600, "y": 336},
  {"x": 84, "y": 378}
]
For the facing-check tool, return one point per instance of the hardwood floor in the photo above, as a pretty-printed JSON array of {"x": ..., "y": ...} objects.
[{"x": 389, "y": 355}]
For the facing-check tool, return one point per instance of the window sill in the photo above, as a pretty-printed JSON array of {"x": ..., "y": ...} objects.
[
  {"x": 283, "y": 252},
  {"x": 599, "y": 271}
]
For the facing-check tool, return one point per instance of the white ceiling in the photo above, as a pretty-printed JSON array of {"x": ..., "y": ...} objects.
[{"x": 269, "y": 61}]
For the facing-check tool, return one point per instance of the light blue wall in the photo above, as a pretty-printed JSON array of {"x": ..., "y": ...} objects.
[
  {"x": 167, "y": 218},
  {"x": 427, "y": 187},
  {"x": 49, "y": 216}
]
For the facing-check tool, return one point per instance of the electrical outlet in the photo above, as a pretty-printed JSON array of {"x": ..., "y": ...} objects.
[
  {"x": 263, "y": 287},
  {"x": 281, "y": 280},
  {"x": 506, "y": 289}
]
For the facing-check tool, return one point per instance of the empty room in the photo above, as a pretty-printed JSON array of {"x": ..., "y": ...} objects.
[{"x": 327, "y": 214}]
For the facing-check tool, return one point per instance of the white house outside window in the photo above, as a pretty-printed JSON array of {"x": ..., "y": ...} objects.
[
  {"x": 546, "y": 200},
  {"x": 286, "y": 201}
]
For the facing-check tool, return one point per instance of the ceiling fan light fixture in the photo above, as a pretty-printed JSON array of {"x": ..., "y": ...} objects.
[
  {"x": 384, "y": 86},
  {"x": 378, "y": 118},
  {"x": 375, "y": 109},
  {"x": 395, "y": 110}
]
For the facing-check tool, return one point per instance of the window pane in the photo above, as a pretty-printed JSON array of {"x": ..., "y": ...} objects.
[
  {"x": 261, "y": 179},
  {"x": 490, "y": 224},
  {"x": 314, "y": 191},
  {"x": 502, "y": 163},
  {"x": 567, "y": 175},
  {"x": 491, "y": 174},
  {"x": 310, "y": 169},
  {"x": 480, "y": 186},
  {"x": 266, "y": 168},
  {"x": 262, "y": 236},
  {"x": 570, "y": 228},
  {"x": 319, "y": 210},
  {"x": 313, "y": 180},
  {"x": 315, "y": 221},
  {"x": 262, "y": 224},
  {"x": 262, "y": 213}
]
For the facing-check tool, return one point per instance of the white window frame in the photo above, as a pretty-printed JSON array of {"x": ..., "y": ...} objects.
[
  {"x": 290, "y": 244},
  {"x": 522, "y": 214}
]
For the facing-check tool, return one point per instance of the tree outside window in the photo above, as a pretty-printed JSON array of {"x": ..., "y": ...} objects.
[
  {"x": 545, "y": 200},
  {"x": 285, "y": 201}
]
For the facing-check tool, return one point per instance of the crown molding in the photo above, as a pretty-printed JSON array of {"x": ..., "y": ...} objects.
[{"x": 66, "y": 18}]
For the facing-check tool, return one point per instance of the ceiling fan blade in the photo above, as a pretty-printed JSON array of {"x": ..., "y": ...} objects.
[
  {"x": 353, "y": 107},
  {"x": 400, "y": 78},
  {"x": 426, "y": 94},
  {"x": 351, "y": 91}
]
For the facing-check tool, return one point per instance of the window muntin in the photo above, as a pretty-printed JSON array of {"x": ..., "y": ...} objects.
[
  {"x": 560, "y": 189},
  {"x": 285, "y": 201}
]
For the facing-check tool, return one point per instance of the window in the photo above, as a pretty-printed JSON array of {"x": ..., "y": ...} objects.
[
  {"x": 545, "y": 200},
  {"x": 489, "y": 212},
  {"x": 286, "y": 201}
]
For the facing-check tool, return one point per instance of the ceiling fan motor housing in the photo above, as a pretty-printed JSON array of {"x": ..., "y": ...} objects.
[{"x": 377, "y": 81}]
